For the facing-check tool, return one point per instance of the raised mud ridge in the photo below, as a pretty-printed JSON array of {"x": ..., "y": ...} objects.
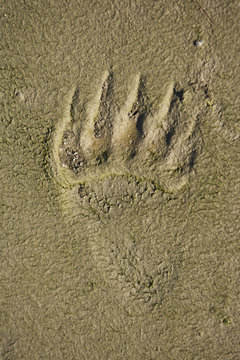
[{"x": 119, "y": 168}]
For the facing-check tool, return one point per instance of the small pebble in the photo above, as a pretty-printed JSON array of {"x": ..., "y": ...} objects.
[{"x": 198, "y": 43}]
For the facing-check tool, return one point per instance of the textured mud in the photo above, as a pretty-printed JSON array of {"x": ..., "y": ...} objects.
[{"x": 120, "y": 180}]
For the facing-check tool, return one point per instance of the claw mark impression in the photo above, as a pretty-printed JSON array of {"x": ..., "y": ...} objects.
[
  {"x": 108, "y": 142},
  {"x": 116, "y": 163}
]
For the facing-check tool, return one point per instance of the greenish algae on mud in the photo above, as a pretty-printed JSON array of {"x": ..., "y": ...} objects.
[{"x": 65, "y": 271}]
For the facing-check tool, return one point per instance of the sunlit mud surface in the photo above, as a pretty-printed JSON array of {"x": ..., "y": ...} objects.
[{"x": 120, "y": 180}]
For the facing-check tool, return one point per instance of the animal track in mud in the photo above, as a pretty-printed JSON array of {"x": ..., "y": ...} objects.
[
  {"x": 121, "y": 164},
  {"x": 123, "y": 217},
  {"x": 159, "y": 146}
]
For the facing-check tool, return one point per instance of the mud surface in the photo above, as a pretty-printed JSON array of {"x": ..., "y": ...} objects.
[{"x": 120, "y": 183}]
